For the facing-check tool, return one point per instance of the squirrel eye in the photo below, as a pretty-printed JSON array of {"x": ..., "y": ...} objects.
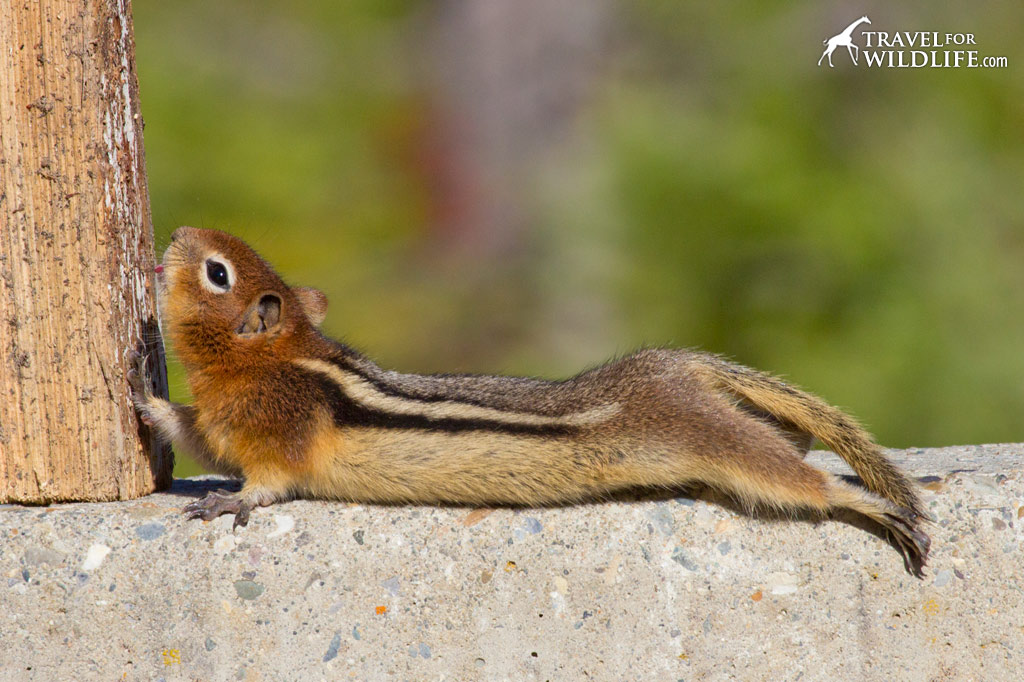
[{"x": 217, "y": 274}]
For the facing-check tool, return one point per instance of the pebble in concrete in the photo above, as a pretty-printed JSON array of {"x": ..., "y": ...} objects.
[
  {"x": 150, "y": 531},
  {"x": 247, "y": 589},
  {"x": 94, "y": 557},
  {"x": 332, "y": 649},
  {"x": 681, "y": 557},
  {"x": 285, "y": 523}
]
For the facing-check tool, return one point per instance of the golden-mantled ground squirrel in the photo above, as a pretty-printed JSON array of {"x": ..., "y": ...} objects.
[{"x": 294, "y": 413}]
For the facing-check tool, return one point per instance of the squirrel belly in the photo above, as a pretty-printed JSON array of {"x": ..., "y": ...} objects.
[{"x": 294, "y": 413}]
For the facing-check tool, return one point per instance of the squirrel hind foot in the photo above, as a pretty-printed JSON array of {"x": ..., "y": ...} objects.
[
  {"x": 913, "y": 543},
  {"x": 901, "y": 523}
]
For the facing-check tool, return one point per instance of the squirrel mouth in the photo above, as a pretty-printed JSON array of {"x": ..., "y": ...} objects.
[{"x": 159, "y": 269}]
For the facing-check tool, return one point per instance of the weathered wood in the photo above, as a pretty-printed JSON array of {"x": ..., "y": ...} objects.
[{"x": 76, "y": 255}]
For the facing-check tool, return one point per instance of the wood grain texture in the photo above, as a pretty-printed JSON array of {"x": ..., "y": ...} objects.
[{"x": 76, "y": 255}]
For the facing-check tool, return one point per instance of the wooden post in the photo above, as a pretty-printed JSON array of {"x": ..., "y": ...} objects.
[{"x": 76, "y": 255}]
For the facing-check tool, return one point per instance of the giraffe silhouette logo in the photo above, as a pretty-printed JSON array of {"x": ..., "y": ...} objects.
[{"x": 844, "y": 39}]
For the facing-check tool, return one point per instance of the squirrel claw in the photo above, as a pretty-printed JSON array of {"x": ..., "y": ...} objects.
[
  {"x": 134, "y": 379},
  {"x": 137, "y": 355},
  {"x": 242, "y": 517}
]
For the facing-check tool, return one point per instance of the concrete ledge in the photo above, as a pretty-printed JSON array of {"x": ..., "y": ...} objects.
[{"x": 654, "y": 590}]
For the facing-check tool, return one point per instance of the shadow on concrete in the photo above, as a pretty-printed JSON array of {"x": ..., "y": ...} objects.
[{"x": 198, "y": 487}]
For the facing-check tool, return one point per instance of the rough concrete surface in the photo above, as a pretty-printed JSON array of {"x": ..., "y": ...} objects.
[{"x": 671, "y": 589}]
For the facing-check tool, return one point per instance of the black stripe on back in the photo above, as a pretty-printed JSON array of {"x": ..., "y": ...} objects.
[
  {"x": 346, "y": 365},
  {"x": 347, "y": 412}
]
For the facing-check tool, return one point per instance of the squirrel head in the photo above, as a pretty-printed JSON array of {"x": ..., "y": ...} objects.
[{"x": 221, "y": 302}]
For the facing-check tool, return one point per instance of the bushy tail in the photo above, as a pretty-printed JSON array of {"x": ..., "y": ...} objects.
[{"x": 810, "y": 414}]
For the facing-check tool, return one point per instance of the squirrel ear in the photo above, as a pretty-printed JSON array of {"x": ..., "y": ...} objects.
[
  {"x": 262, "y": 316},
  {"x": 313, "y": 302}
]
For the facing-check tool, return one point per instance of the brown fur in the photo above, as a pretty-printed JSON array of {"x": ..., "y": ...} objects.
[{"x": 298, "y": 414}]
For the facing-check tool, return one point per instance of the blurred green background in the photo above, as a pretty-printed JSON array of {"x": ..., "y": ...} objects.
[{"x": 535, "y": 186}]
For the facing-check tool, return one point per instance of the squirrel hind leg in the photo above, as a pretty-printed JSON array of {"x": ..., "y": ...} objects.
[{"x": 778, "y": 478}]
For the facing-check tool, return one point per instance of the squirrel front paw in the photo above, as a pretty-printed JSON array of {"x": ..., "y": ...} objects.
[
  {"x": 221, "y": 502},
  {"x": 140, "y": 382}
]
